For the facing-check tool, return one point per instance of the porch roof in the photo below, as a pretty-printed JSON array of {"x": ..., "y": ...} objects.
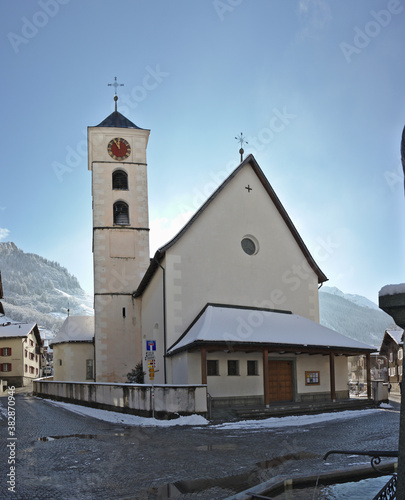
[{"x": 233, "y": 325}]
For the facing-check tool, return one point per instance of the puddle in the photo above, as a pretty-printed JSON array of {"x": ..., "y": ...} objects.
[
  {"x": 80, "y": 436},
  {"x": 235, "y": 484}
]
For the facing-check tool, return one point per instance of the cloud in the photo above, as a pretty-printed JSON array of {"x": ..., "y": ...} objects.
[
  {"x": 163, "y": 230},
  {"x": 315, "y": 16},
  {"x": 3, "y": 233}
]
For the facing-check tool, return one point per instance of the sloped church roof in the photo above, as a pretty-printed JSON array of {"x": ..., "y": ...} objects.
[
  {"x": 160, "y": 253},
  {"x": 117, "y": 120},
  {"x": 75, "y": 329}
]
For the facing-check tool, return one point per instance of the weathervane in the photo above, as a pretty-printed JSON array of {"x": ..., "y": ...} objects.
[
  {"x": 115, "y": 85},
  {"x": 242, "y": 141}
]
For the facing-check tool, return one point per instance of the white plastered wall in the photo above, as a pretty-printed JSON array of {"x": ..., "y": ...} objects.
[
  {"x": 304, "y": 363},
  {"x": 73, "y": 356},
  {"x": 153, "y": 327},
  {"x": 186, "y": 368},
  {"x": 224, "y": 385}
]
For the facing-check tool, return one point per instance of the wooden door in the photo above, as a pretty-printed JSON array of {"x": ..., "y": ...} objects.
[{"x": 280, "y": 381}]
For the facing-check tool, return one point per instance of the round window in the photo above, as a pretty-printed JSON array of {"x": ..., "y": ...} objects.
[{"x": 248, "y": 246}]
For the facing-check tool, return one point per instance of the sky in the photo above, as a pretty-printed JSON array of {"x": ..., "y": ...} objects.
[{"x": 315, "y": 86}]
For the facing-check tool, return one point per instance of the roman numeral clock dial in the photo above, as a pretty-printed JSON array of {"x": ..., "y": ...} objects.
[{"x": 119, "y": 149}]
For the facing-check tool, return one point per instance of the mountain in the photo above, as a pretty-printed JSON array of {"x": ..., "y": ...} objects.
[
  {"x": 38, "y": 290},
  {"x": 353, "y": 315},
  {"x": 352, "y": 297}
]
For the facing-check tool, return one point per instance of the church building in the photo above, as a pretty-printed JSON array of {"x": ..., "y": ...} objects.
[{"x": 231, "y": 301}]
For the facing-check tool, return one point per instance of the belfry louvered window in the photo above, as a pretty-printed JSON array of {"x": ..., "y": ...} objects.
[
  {"x": 121, "y": 213},
  {"x": 120, "y": 180}
]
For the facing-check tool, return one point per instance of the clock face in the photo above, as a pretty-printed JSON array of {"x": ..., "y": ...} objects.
[{"x": 119, "y": 148}]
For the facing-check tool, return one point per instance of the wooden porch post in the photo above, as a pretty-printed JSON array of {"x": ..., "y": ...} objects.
[
  {"x": 266, "y": 376},
  {"x": 332, "y": 376},
  {"x": 204, "y": 365},
  {"x": 368, "y": 368}
]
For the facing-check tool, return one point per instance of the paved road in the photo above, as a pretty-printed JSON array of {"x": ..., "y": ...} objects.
[{"x": 63, "y": 455}]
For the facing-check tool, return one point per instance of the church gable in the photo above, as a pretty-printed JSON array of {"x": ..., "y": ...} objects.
[
  {"x": 241, "y": 249},
  {"x": 247, "y": 193}
]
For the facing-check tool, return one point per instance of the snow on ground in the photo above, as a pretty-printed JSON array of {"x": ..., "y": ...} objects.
[
  {"x": 123, "y": 418},
  {"x": 296, "y": 420},
  {"x": 197, "y": 420}
]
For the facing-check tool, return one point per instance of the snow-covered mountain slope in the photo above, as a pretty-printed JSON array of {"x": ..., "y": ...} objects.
[
  {"x": 353, "y": 315},
  {"x": 36, "y": 289},
  {"x": 356, "y": 299}
]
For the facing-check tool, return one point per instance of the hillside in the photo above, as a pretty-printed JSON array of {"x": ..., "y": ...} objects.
[
  {"x": 36, "y": 289},
  {"x": 353, "y": 315}
]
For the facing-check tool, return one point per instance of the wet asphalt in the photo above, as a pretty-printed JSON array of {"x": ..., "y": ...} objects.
[{"x": 63, "y": 455}]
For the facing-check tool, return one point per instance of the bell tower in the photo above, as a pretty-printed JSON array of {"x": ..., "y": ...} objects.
[{"x": 117, "y": 160}]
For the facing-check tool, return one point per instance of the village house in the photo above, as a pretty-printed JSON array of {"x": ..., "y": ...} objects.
[
  {"x": 392, "y": 347},
  {"x": 358, "y": 374},
  {"x": 20, "y": 352}
]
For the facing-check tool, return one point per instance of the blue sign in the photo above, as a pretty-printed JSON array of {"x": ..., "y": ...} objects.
[{"x": 151, "y": 345}]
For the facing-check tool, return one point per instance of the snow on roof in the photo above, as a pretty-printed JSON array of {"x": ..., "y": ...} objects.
[
  {"x": 392, "y": 289},
  {"x": 76, "y": 329},
  {"x": 6, "y": 319},
  {"x": 243, "y": 325},
  {"x": 8, "y": 329},
  {"x": 396, "y": 335}
]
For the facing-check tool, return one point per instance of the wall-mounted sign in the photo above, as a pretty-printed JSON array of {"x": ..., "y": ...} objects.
[{"x": 151, "y": 345}]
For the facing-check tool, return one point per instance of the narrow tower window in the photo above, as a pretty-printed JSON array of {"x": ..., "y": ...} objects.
[
  {"x": 121, "y": 213},
  {"x": 120, "y": 180}
]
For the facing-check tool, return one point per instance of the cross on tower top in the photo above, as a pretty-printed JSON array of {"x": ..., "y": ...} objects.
[{"x": 115, "y": 85}]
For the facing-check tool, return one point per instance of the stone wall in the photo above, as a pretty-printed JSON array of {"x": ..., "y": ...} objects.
[{"x": 137, "y": 399}]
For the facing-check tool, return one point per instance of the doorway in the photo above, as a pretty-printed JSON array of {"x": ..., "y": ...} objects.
[{"x": 280, "y": 380}]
